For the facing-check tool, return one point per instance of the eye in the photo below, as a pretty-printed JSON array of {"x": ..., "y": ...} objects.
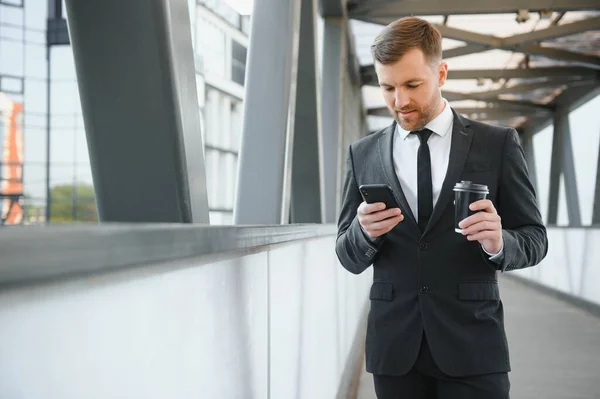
[
  {"x": 388, "y": 89},
  {"x": 413, "y": 86}
]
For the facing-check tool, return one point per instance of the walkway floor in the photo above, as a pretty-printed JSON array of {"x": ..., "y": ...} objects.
[{"x": 554, "y": 347}]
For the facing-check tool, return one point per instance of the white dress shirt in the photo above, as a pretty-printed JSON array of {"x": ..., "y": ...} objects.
[{"x": 406, "y": 147}]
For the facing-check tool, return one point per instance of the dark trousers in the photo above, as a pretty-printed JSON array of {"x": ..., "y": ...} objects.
[{"x": 426, "y": 381}]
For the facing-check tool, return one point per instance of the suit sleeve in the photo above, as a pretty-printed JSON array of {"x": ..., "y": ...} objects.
[
  {"x": 524, "y": 234},
  {"x": 354, "y": 248}
]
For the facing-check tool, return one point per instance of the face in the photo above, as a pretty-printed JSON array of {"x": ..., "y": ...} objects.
[{"x": 411, "y": 89}]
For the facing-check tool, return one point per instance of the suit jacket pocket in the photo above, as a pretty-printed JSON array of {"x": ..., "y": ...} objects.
[
  {"x": 381, "y": 291},
  {"x": 478, "y": 291}
]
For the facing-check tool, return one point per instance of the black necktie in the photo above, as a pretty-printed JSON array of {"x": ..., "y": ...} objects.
[{"x": 424, "y": 189}]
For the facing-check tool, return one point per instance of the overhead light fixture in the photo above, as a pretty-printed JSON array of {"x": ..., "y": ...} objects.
[
  {"x": 522, "y": 16},
  {"x": 243, "y": 7}
]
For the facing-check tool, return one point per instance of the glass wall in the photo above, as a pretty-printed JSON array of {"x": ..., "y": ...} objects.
[
  {"x": 72, "y": 195},
  {"x": 23, "y": 81},
  {"x": 220, "y": 38},
  {"x": 222, "y": 42}
]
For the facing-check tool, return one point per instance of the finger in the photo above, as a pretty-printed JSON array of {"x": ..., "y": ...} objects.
[
  {"x": 378, "y": 216},
  {"x": 384, "y": 224},
  {"x": 483, "y": 235},
  {"x": 365, "y": 209},
  {"x": 481, "y": 226},
  {"x": 483, "y": 205},
  {"x": 479, "y": 217},
  {"x": 381, "y": 215}
]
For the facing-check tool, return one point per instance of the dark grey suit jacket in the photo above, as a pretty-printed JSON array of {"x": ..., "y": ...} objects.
[{"x": 439, "y": 282}]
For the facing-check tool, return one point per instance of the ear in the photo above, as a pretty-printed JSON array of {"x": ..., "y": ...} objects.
[{"x": 442, "y": 74}]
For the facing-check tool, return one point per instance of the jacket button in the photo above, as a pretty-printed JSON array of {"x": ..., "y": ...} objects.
[
  {"x": 423, "y": 246},
  {"x": 424, "y": 289}
]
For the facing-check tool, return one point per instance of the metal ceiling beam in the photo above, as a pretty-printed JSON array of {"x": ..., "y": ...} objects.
[
  {"x": 520, "y": 43},
  {"x": 469, "y": 37},
  {"x": 589, "y": 61},
  {"x": 487, "y": 113},
  {"x": 394, "y": 9},
  {"x": 562, "y": 55},
  {"x": 455, "y": 96},
  {"x": 520, "y": 88},
  {"x": 487, "y": 42},
  {"x": 463, "y": 50},
  {"x": 522, "y": 73},
  {"x": 369, "y": 77},
  {"x": 526, "y": 87},
  {"x": 554, "y": 32}
]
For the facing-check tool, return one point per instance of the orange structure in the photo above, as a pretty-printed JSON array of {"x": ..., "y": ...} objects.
[{"x": 11, "y": 165}]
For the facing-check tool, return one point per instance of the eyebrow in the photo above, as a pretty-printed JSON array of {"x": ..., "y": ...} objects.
[{"x": 412, "y": 81}]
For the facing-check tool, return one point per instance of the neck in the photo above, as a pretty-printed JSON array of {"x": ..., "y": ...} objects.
[{"x": 440, "y": 107}]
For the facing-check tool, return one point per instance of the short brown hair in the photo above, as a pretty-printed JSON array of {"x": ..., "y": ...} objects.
[{"x": 406, "y": 34}]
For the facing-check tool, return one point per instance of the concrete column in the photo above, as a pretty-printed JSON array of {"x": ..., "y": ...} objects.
[
  {"x": 264, "y": 168},
  {"x": 334, "y": 68},
  {"x": 307, "y": 198},
  {"x": 137, "y": 84}
]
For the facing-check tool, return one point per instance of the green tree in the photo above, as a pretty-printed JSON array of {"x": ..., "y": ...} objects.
[{"x": 70, "y": 203}]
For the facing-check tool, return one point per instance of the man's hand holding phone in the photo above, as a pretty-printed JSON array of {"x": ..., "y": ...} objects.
[{"x": 376, "y": 220}]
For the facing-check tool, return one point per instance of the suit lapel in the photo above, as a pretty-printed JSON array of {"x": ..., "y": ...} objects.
[
  {"x": 386, "y": 154},
  {"x": 462, "y": 136}
]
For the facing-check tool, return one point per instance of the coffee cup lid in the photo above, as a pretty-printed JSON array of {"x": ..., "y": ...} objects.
[{"x": 466, "y": 185}]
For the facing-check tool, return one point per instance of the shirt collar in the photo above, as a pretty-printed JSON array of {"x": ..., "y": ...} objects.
[{"x": 440, "y": 125}]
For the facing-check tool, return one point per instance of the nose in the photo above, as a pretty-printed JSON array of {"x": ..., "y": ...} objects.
[{"x": 401, "y": 100}]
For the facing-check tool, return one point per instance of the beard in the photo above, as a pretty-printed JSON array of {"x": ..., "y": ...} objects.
[{"x": 417, "y": 119}]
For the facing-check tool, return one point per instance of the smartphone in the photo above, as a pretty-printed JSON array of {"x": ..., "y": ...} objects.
[{"x": 373, "y": 193}]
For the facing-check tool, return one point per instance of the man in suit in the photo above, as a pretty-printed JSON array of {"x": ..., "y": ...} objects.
[{"x": 435, "y": 327}]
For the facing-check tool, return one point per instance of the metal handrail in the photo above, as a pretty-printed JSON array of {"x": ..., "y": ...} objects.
[{"x": 31, "y": 254}]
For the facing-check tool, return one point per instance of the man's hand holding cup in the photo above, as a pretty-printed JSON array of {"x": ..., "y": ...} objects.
[{"x": 376, "y": 220}]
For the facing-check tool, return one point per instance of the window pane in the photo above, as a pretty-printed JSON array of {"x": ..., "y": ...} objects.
[
  {"x": 11, "y": 30},
  {"x": 11, "y": 57},
  {"x": 10, "y": 84},
  {"x": 238, "y": 62}
]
